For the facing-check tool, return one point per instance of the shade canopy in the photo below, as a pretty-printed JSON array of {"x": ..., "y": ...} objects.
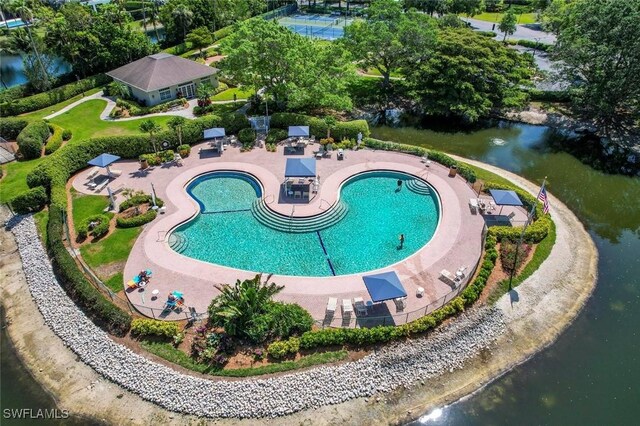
[
  {"x": 300, "y": 167},
  {"x": 103, "y": 160},
  {"x": 298, "y": 131},
  {"x": 384, "y": 286},
  {"x": 216, "y": 132},
  {"x": 505, "y": 198}
]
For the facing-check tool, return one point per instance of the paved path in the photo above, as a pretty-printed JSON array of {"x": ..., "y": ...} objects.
[{"x": 523, "y": 32}]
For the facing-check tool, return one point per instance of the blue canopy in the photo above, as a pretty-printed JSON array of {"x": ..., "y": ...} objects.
[
  {"x": 216, "y": 132},
  {"x": 300, "y": 167},
  {"x": 103, "y": 160},
  {"x": 505, "y": 198},
  {"x": 384, "y": 286},
  {"x": 298, "y": 131}
]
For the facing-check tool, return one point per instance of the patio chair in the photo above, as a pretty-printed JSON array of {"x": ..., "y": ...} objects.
[
  {"x": 347, "y": 307},
  {"x": 361, "y": 308},
  {"x": 473, "y": 204},
  {"x": 93, "y": 173},
  {"x": 326, "y": 154},
  {"x": 511, "y": 215},
  {"x": 448, "y": 277},
  {"x": 401, "y": 303},
  {"x": 102, "y": 185},
  {"x": 332, "y": 303}
]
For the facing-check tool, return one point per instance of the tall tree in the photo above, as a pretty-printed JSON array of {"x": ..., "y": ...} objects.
[
  {"x": 176, "y": 124},
  {"x": 508, "y": 23},
  {"x": 467, "y": 7},
  {"x": 153, "y": 128},
  {"x": 200, "y": 38},
  {"x": 27, "y": 16},
  {"x": 598, "y": 50},
  {"x": 184, "y": 16},
  {"x": 468, "y": 75}
]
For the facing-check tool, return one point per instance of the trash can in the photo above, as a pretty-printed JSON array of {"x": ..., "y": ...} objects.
[{"x": 453, "y": 171}]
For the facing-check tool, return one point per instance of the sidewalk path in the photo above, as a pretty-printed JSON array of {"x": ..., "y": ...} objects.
[{"x": 523, "y": 32}]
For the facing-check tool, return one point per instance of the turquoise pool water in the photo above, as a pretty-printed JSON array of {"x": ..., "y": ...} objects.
[{"x": 226, "y": 233}]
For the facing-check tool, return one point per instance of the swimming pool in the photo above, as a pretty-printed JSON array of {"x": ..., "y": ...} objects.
[{"x": 225, "y": 232}]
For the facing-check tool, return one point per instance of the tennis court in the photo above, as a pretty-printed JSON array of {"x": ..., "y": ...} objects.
[{"x": 316, "y": 26}]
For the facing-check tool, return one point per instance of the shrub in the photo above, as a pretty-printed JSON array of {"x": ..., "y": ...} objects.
[
  {"x": 150, "y": 327},
  {"x": 535, "y": 45},
  {"x": 31, "y": 200},
  {"x": 66, "y": 134},
  {"x": 55, "y": 140},
  {"x": 233, "y": 122},
  {"x": 247, "y": 137},
  {"x": 184, "y": 150},
  {"x": 139, "y": 220},
  {"x": 151, "y": 159},
  {"x": 94, "y": 303},
  {"x": 282, "y": 120},
  {"x": 137, "y": 200},
  {"x": 97, "y": 225},
  {"x": 350, "y": 129},
  {"x": 10, "y": 128},
  {"x": 508, "y": 255},
  {"x": 52, "y": 97},
  {"x": 284, "y": 348},
  {"x": 489, "y": 34},
  {"x": 276, "y": 135},
  {"x": 549, "y": 95},
  {"x": 32, "y": 138}
]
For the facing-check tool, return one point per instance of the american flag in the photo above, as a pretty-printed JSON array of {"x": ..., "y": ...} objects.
[{"x": 542, "y": 196}]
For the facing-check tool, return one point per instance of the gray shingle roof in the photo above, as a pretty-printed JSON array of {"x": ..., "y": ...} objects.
[{"x": 159, "y": 71}]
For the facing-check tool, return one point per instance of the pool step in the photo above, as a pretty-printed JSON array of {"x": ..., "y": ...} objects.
[
  {"x": 269, "y": 218},
  {"x": 418, "y": 186},
  {"x": 178, "y": 242}
]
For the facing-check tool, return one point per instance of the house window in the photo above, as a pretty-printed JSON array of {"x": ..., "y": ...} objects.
[{"x": 165, "y": 94}]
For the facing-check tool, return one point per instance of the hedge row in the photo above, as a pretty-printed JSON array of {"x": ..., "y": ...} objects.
[
  {"x": 149, "y": 327},
  {"x": 137, "y": 200},
  {"x": 10, "y": 128},
  {"x": 55, "y": 140},
  {"x": 139, "y": 220},
  {"x": 32, "y": 138},
  {"x": 29, "y": 201},
  {"x": 535, "y": 45},
  {"x": 52, "y": 97},
  {"x": 93, "y": 303},
  {"x": 318, "y": 127},
  {"x": 437, "y": 156},
  {"x": 381, "y": 334}
]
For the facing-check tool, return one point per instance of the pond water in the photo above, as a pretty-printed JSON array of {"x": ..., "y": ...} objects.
[
  {"x": 12, "y": 70},
  {"x": 591, "y": 374}
]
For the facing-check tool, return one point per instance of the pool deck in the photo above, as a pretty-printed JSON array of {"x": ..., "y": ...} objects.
[{"x": 456, "y": 243}]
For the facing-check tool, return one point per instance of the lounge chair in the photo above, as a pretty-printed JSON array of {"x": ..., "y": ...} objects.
[
  {"x": 473, "y": 203},
  {"x": 448, "y": 277},
  {"x": 426, "y": 160},
  {"x": 93, "y": 173},
  {"x": 347, "y": 307},
  {"x": 102, "y": 185},
  {"x": 332, "y": 303},
  {"x": 511, "y": 215},
  {"x": 361, "y": 308}
]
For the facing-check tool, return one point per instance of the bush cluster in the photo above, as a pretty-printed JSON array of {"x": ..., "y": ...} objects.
[
  {"x": 31, "y": 200},
  {"x": 55, "y": 140},
  {"x": 276, "y": 135},
  {"x": 318, "y": 127},
  {"x": 489, "y": 34},
  {"x": 279, "y": 321},
  {"x": 136, "y": 109},
  {"x": 281, "y": 349},
  {"x": 53, "y": 96},
  {"x": 94, "y": 303},
  {"x": 10, "y": 128},
  {"x": 247, "y": 137},
  {"x": 150, "y": 327},
  {"x": 32, "y": 138},
  {"x": 535, "y": 45},
  {"x": 100, "y": 225},
  {"x": 184, "y": 150},
  {"x": 508, "y": 255},
  {"x": 549, "y": 95},
  {"x": 437, "y": 156},
  {"x": 139, "y": 220},
  {"x": 137, "y": 200}
]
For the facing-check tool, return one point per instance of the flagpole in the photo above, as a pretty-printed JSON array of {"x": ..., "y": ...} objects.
[{"x": 524, "y": 229}]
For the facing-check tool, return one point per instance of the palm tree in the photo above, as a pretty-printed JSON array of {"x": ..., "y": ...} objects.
[
  {"x": 154, "y": 18},
  {"x": 151, "y": 127},
  {"x": 27, "y": 17},
  {"x": 184, "y": 16},
  {"x": 176, "y": 123},
  {"x": 237, "y": 306},
  {"x": 144, "y": 16}
]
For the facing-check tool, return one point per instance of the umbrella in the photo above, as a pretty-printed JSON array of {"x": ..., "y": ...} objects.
[
  {"x": 505, "y": 198},
  {"x": 298, "y": 131},
  {"x": 104, "y": 160},
  {"x": 384, "y": 286},
  {"x": 300, "y": 167}
]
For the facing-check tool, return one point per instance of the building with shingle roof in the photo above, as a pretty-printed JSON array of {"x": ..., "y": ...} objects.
[{"x": 163, "y": 77}]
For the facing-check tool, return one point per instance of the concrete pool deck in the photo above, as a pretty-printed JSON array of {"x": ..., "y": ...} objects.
[{"x": 456, "y": 243}]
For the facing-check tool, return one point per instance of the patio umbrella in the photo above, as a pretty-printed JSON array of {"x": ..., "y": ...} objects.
[
  {"x": 384, "y": 286},
  {"x": 104, "y": 160},
  {"x": 505, "y": 198},
  {"x": 298, "y": 131},
  {"x": 300, "y": 167}
]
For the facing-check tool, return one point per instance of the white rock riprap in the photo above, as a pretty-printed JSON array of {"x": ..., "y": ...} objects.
[{"x": 397, "y": 365}]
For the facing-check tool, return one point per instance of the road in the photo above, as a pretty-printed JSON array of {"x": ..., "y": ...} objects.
[{"x": 522, "y": 32}]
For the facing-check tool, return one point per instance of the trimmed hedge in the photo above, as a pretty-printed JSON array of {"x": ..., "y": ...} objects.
[
  {"x": 136, "y": 200},
  {"x": 52, "y": 97},
  {"x": 93, "y": 303},
  {"x": 102, "y": 226},
  {"x": 55, "y": 140},
  {"x": 437, "y": 156},
  {"x": 247, "y": 137},
  {"x": 31, "y": 200},
  {"x": 10, "y": 128},
  {"x": 535, "y": 45},
  {"x": 276, "y": 135},
  {"x": 32, "y": 138},
  {"x": 350, "y": 129},
  {"x": 150, "y": 327},
  {"x": 284, "y": 348},
  {"x": 489, "y": 34},
  {"x": 139, "y": 220}
]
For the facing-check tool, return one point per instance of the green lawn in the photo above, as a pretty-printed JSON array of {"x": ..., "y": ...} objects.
[
  {"x": 115, "y": 282},
  {"x": 113, "y": 248},
  {"x": 14, "y": 179},
  {"x": 84, "y": 122},
  {"x": 227, "y": 95},
  {"x": 42, "y": 219},
  {"x": 486, "y": 175},
  {"x": 170, "y": 353},
  {"x": 42, "y": 113},
  {"x": 225, "y": 108},
  {"x": 85, "y": 206},
  {"x": 525, "y": 18}
]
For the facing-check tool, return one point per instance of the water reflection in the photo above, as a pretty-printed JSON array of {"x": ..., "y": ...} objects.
[{"x": 12, "y": 69}]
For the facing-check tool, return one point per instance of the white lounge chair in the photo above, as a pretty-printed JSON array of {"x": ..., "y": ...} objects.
[
  {"x": 102, "y": 185},
  {"x": 93, "y": 173},
  {"x": 426, "y": 160},
  {"x": 347, "y": 307},
  {"x": 401, "y": 303},
  {"x": 332, "y": 304},
  {"x": 361, "y": 308},
  {"x": 448, "y": 277},
  {"x": 473, "y": 203}
]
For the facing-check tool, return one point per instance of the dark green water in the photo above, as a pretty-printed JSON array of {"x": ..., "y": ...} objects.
[{"x": 591, "y": 375}]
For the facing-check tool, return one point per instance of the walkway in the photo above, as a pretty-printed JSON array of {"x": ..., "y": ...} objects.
[{"x": 523, "y": 32}]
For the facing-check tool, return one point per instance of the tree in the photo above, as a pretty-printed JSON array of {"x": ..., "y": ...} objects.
[
  {"x": 508, "y": 24},
  {"x": 200, "y": 38},
  {"x": 428, "y": 6},
  {"x": 184, "y": 16},
  {"x": 151, "y": 127},
  {"x": 176, "y": 123},
  {"x": 467, "y": 76},
  {"x": 467, "y": 7},
  {"x": 204, "y": 92},
  {"x": 389, "y": 39},
  {"x": 27, "y": 16},
  {"x": 598, "y": 49}
]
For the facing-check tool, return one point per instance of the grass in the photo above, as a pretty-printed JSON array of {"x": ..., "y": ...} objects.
[
  {"x": 115, "y": 282},
  {"x": 113, "y": 248},
  {"x": 85, "y": 206},
  {"x": 84, "y": 122},
  {"x": 524, "y": 18},
  {"x": 227, "y": 95},
  {"x": 225, "y": 108},
  {"x": 487, "y": 176},
  {"x": 14, "y": 179},
  {"x": 374, "y": 71},
  {"x": 543, "y": 250},
  {"x": 42, "y": 113},
  {"x": 42, "y": 219},
  {"x": 170, "y": 353}
]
